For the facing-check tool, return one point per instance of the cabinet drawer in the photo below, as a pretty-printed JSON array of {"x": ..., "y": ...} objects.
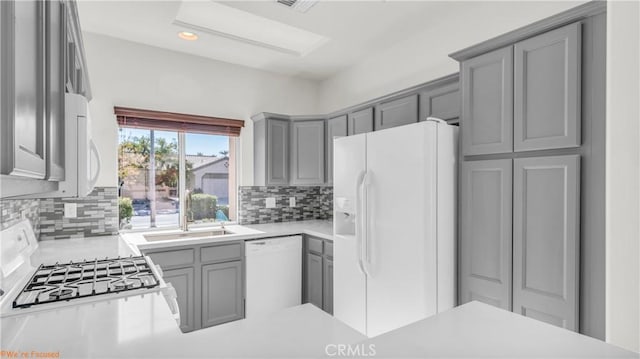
[
  {"x": 221, "y": 253},
  {"x": 314, "y": 245},
  {"x": 177, "y": 258},
  {"x": 328, "y": 248}
]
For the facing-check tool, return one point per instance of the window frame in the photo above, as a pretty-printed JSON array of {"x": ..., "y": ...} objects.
[{"x": 182, "y": 187}]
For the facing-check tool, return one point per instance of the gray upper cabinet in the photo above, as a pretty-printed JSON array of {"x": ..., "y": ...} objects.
[
  {"x": 546, "y": 239},
  {"x": 336, "y": 127},
  {"x": 547, "y": 90},
  {"x": 442, "y": 103},
  {"x": 277, "y": 152},
  {"x": 182, "y": 279},
  {"x": 486, "y": 232},
  {"x": 360, "y": 121},
  {"x": 397, "y": 112},
  {"x": 24, "y": 122},
  {"x": 34, "y": 38},
  {"x": 487, "y": 103},
  {"x": 222, "y": 293},
  {"x": 307, "y": 152},
  {"x": 55, "y": 46},
  {"x": 271, "y": 151}
]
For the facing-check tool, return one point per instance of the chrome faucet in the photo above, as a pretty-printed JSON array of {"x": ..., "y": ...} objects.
[{"x": 184, "y": 222}]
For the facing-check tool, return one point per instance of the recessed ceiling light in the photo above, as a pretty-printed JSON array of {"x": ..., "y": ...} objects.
[
  {"x": 221, "y": 20},
  {"x": 186, "y": 35}
]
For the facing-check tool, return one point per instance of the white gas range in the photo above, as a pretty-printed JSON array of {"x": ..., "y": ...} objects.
[{"x": 32, "y": 287}]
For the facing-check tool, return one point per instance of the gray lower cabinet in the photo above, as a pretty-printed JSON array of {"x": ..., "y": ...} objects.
[
  {"x": 209, "y": 282},
  {"x": 546, "y": 239},
  {"x": 547, "y": 90},
  {"x": 222, "y": 293},
  {"x": 318, "y": 273},
  {"x": 442, "y": 103},
  {"x": 397, "y": 112},
  {"x": 487, "y": 103},
  {"x": 519, "y": 242},
  {"x": 183, "y": 280},
  {"x": 360, "y": 121},
  {"x": 486, "y": 232},
  {"x": 327, "y": 285},
  {"x": 271, "y": 151},
  {"x": 314, "y": 279},
  {"x": 307, "y": 152},
  {"x": 336, "y": 127}
]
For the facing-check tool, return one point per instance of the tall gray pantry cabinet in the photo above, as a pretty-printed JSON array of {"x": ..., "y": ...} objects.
[{"x": 532, "y": 170}]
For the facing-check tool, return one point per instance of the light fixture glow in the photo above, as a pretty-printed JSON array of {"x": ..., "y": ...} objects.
[
  {"x": 186, "y": 35},
  {"x": 225, "y": 21}
]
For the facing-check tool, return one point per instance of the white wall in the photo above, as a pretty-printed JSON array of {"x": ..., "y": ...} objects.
[
  {"x": 129, "y": 74},
  {"x": 448, "y": 27},
  {"x": 623, "y": 174}
]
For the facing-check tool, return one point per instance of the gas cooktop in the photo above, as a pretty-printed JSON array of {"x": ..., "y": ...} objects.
[{"x": 65, "y": 282}]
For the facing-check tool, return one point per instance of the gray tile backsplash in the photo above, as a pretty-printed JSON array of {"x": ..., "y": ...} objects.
[
  {"x": 311, "y": 203},
  {"x": 97, "y": 215},
  {"x": 13, "y": 210}
]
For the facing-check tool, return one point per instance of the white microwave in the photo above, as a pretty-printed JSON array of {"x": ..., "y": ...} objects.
[{"x": 82, "y": 160}]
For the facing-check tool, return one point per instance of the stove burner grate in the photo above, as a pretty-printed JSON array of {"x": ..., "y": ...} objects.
[{"x": 64, "y": 282}]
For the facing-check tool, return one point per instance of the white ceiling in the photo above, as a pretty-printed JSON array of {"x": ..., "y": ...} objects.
[{"x": 355, "y": 29}]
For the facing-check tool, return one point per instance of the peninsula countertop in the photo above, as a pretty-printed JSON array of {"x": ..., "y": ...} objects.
[{"x": 317, "y": 228}]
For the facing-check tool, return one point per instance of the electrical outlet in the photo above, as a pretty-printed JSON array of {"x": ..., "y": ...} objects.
[
  {"x": 292, "y": 201},
  {"x": 270, "y": 202},
  {"x": 70, "y": 210}
]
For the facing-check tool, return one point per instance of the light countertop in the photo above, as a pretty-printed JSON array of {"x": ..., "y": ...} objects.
[
  {"x": 77, "y": 249},
  {"x": 141, "y": 327},
  {"x": 317, "y": 228},
  {"x": 479, "y": 330}
]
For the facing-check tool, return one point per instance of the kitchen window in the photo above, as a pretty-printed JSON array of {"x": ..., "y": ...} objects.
[{"x": 171, "y": 168}]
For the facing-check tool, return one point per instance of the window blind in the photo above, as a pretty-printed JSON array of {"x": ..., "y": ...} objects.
[{"x": 171, "y": 121}]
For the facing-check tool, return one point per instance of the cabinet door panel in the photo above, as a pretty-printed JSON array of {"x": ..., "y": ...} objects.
[
  {"x": 336, "y": 127},
  {"x": 29, "y": 126},
  {"x": 307, "y": 152},
  {"x": 443, "y": 103},
  {"x": 485, "y": 242},
  {"x": 547, "y": 90},
  {"x": 327, "y": 285},
  {"x": 398, "y": 112},
  {"x": 222, "y": 293},
  {"x": 183, "y": 281},
  {"x": 546, "y": 239},
  {"x": 314, "y": 279},
  {"x": 360, "y": 121},
  {"x": 56, "y": 46},
  {"x": 277, "y": 152},
  {"x": 487, "y": 103}
]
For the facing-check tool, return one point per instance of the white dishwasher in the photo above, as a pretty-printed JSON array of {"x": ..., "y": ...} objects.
[{"x": 274, "y": 274}]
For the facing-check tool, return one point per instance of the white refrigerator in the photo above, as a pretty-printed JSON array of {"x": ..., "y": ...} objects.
[{"x": 394, "y": 225}]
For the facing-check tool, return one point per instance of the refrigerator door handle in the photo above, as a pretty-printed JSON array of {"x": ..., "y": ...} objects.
[
  {"x": 358, "y": 222},
  {"x": 366, "y": 263}
]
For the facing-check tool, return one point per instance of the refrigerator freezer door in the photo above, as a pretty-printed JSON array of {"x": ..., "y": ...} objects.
[
  {"x": 349, "y": 283},
  {"x": 348, "y": 163},
  {"x": 401, "y": 235}
]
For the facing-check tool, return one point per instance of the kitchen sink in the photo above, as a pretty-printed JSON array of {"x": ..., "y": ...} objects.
[{"x": 186, "y": 235}]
